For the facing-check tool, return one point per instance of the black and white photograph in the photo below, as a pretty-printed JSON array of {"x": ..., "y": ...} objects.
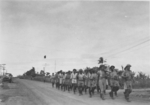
[{"x": 74, "y": 52}]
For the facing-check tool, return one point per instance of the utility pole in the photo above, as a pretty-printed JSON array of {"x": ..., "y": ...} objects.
[
  {"x": 55, "y": 65},
  {"x": 44, "y": 63},
  {"x": 3, "y": 67}
]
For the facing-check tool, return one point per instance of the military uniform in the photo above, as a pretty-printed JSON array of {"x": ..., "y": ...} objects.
[
  {"x": 128, "y": 77},
  {"x": 60, "y": 77},
  {"x": 91, "y": 83},
  {"x": 85, "y": 81},
  {"x": 80, "y": 79},
  {"x": 80, "y": 82},
  {"x": 64, "y": 81},
  {"x": 74, "y": 81},
  {"x": 52, "y": 80},
  {"x": 102, "y": 83},
  {"x": 114, "y": 83}
]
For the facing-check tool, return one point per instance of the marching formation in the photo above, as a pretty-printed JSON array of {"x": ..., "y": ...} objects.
[{"x": 88, "y": 81}]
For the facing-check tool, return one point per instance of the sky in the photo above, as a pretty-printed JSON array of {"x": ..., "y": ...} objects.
[{"x": 73, "y": 34}]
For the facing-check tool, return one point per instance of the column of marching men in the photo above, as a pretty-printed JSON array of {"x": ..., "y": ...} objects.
[{"x": 88, "y": 81}]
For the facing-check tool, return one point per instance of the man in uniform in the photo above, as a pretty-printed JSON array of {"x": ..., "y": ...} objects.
[
  {"x": 128, "y": 77},
  {"x": 80, "y": 79},
  {"x": 114, "y": 84},
  {"x": 74, "y": 80},
  {"x": 57, "y": 80},
  {"x": 85, "y": 80},
  {"x": 102, "y": 81},
  {"x": 60, "y": 76},
  {"x": 68, "y": 81},
  {"x": 52, "y": 79},
  {"x": 64, "y": 81},
  {"x": 91, "y": 81}
]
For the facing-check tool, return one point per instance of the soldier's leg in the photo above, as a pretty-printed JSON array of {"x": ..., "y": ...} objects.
[
  {"x": 82, "y": 88},
  {"x": 111, "y": 92},
  {"x": 104, "y": 86},
  {"x": 129, "y": 90},
  {"x": 85, "y": 88},
  {"x": 64, "y": 86},
  {"x": 101, "y": 89},
  {"x": 79, "y": 88},
  {"x": 52, "y": 84},
  {"x": 116, "y": 89},
  {"x": 74, "y": 88},
  {"x": 90, "y": 94}
]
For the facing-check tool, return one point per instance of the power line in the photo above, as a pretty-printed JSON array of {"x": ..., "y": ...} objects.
[{"x": 129, "y": 48}]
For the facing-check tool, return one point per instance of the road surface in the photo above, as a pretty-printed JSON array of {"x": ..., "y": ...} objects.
[
  {"x": 43, "y": 93},
  {"x": 39, "y": 93}
]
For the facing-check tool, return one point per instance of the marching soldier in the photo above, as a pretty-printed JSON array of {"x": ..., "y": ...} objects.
[
  {"x": 53, "y": 79},
  {"x": 80, "y": 78},
  {"x": 57, "y": 80},
  {"x": 91, "y": 81},
  {"x": 74, "y": 80},
  {"x": 85, "y": 80},
  {"x": 60, "y": 76},
  {"x": 64, "y": 81},
  {"x": 114, "y": 84},
  {"x": 94, "y": 81},
  {"x": 68, "y": 81},
  {"x": 102, "y": 81},
  {"x": 128, "y": 77}
]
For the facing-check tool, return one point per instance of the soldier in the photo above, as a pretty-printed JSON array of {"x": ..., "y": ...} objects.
[
  {"x": 102, "y": 81},
  {"x": 74, "y": 80},
  {"x": 57, "y": 80},
  {"x": 85, "y": 80},
  {"x": 80, "y": 79},
  {"x": 60, "y": 76},
  {"x": 91, "y": 82},
  {"x": 68, "y": 81},
  {"x": 63, "y": 81},
  {"x": 97, "y": 82},
  {"x": 90, "y": 79},
  {"x": 117, "y": 85},
  {"x": 128, "y": 77},
  {"x": 52, "y": 79},
  {"x": 114, "y": 84},
  {"x": 94, "y": 82}
]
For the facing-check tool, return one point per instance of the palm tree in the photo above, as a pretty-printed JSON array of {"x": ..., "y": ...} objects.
[
  {"x": 47, "y": 73},
  {"x": 101, "y": 60}
]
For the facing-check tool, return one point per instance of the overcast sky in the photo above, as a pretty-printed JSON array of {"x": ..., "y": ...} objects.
[{"x": 74, "y": 34}]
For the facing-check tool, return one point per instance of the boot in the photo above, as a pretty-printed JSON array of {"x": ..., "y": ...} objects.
[
  {"x": 90, "y": 92},
  {"x": 127, "y": 92},
  {"x": 116, "y": 89},
  {"x": 85, "y": 89},
  {"x": 116, "y": 94},
  {"x": 102, "y": 96},
  {"x": 104, "y": 92},
  {"x": 93, "y": 91},
  {"x": 111, "y": 95},
  {"x": 81, "y": 90}
]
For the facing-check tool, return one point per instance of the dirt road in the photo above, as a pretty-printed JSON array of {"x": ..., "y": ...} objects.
[{"x": 39, "y": 93}]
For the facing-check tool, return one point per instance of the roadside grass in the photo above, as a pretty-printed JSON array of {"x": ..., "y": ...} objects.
[
  {"x": 141, "y": 83},
  {"x": 137, "y": 84}
]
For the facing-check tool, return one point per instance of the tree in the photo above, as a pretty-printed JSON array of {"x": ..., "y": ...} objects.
[
  {"x": 101, "y": 60},
  {"x": 47, "y": 74},
  {"x": 42, "y": 73}
]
